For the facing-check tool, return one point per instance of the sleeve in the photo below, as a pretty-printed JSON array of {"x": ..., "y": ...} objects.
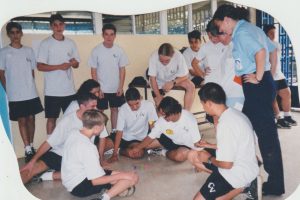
[
  {"x": 194, "y": 129},
  {"x": 152, "y": 65},
  {"x": 93, "y": 59},
  {"x": 188, "y": 59},
  {"x": 152, "y": 114},
  {"x": 271, "y": 45},
  {"x": 33, "y": 60},
  {"x": 104, "y": 133},
  {"x": 42, "y": 56},
  {"x": 227, "y": 148},
  {"x": 123, "y": 59},
  {"x": 182, "y": 67},
  {"x": 90, "y": 160},
  {"x": 2, "y": 60},
  {"x": 75, "y": 52},
  {"x": 156, "y": 130},
  {"x": 58, "y": 137},
  {"x": 121, "y": 120},
  {"x": 249, "y": 43}
]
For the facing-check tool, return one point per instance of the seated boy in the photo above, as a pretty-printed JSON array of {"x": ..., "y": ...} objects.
[
  {"x": 82, "y": 173},
  {"x": 133, "y": 122},
  {"x": 233, "y": 166},
  {"x": 176, "y": 130}
]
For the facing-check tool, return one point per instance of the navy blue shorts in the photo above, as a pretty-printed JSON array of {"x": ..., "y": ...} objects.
[
  {"x": 281, "y": 84},
  {"x": 18, "y": 109},
  {"x": 52, "y": 160},
  {"x": 53, "y": 105},
  {"x": 112, "y": 100}
]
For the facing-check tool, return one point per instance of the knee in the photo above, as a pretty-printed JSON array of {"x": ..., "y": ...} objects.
[
  {"x": 190, "y": 87},
  {"x": 192, "y": 154},
  {"x": 180, "y": 157}
]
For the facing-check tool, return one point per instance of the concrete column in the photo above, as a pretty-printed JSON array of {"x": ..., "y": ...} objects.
[
  {"x": 213, "y": 6},
  {"x": 163, "y": 19},
  {"x": 133, "y": 25},
  {"x": 190, "y": 17},
  {"x": 97, "y": 23},
  {"x": 252, "y": 15}
]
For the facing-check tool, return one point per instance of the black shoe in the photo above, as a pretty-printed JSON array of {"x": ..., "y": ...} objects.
[
  {"x": 251, "y": 191},
  {"x": 28, "y": 156},
  {"x": 290, "y": 121},
  {"x": 281, "y": 123},
  {"x": 33, "y": 150}
]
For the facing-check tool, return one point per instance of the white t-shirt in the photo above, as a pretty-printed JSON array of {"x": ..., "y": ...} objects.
[
  {"x": 183, "y": 132},
  {"x": 234, "y": 91},
  {"x": 108, "y": 61},
  {"x": 80, "y": 160},
  {"x": 278, "y": 73},
  {"x": 189, "y": 55},
  {"x": 164, "y": 73},
  {"x": 235, "y": 142},
  {"x": 55, "y": 52},
  {"x": 135, "y": 124},
  {"x": 64, "y": 129},
  {"x": 18, "y": 65},
  {"x": 73, "y": 106},
  {"x": 211, "y": 56}
]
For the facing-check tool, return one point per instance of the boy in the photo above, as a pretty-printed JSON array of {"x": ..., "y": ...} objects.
[
  {"x": 108, "y": 62},
  {"x": 191, "y": 55},
  {"x": 82, "y": 173},
  {"x": 17, "y": 64},
  {"x": 176, "y": 130},
  {"x": 49, "y": 154},
  {"x": 56, "y": 57},
  {"x": 233, "y": 165},
  {"x": 167, "y": 68},
  {"x": 134, "y": 119}
]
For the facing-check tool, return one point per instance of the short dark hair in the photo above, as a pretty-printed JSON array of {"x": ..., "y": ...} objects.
[
  {"x": 195, "y": 34},
  {"x": 212, "y": 92},
  {"x": 132, "y": 94},
  {"x": 11, "y": 25},
  {"x": 166, "y": 49},
  {"x": 268, "y": 27},
  {"x": 169, "y": 106},
  {"x": 87, "y": 86},
  {"x": 91, "y": 118},
  {"x": 212, "y": 28},
  {"x": 84, "y": 98},
  {"x": 55, "y": 17},
  {"x": 227, "y": 10},
  {"x": 109, "y": 27}
]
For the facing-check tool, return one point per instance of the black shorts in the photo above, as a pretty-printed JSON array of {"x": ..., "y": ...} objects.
[
  {"x": 197, "y": 80},
  {"x": 52, "y": 160},
  {"x": 86, "y": 188},
  {"x": 25, "y": 108},
  {"x": 161, "y": 92},
  {"x": 215, "y": 185},
  {"x": 124, "y": 143},
  {"x": 53, "y": 105},
  {"x": 281, "y": 84},
  {"x": 112, "y": 99},
  {"x": 168, "y": 144}
]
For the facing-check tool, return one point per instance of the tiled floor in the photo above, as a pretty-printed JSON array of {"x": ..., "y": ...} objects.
[{"x": 162, "y": 179}]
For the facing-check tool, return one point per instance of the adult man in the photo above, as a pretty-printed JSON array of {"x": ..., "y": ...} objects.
[
  {"x": 167, "y": 68},
  {"x": 135, "y": 117},
  {"x": 107, "y": 62},
  {"x": 57, "y": 56},
  {"x": 233, "y": 166}
]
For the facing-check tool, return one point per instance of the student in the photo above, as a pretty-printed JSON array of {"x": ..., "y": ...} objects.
[
  {"x": 167, "y": 68},
  {"x": 251, "y": 53},
  {"x": 48, "y": 155},
  {"x": 57, "y": 55},
  {"x": 134, "y": 119},
  {"x": 17, "y": 64},
  {"x": 234, "y": 165},
  {"x": 82, "y": 173},
  {"x": 108, "y": 62},
  {"x": 281, "y": 86},
  {"x": 191, "y": 55},
  {"x": 176, "y": 130}
]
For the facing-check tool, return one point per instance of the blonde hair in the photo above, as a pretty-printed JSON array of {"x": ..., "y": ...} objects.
[{"x": 91, "y": 118}]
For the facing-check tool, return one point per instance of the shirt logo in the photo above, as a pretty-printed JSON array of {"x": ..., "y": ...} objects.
[
  {"x": 238, "y": 64},
  {"x": 186, "y": 129},
  {"x": 169, "y": 132},
  {"x": 28, "y": 59},
  {"x": 115, "y": 55}
]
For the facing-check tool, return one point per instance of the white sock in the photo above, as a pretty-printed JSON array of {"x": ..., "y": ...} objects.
[
  {"x": 47, "y": 176},
  {"x": 287, "y": 114},
  {"x": 27, "y": 148},
  {"x": 105, "y": 196}
]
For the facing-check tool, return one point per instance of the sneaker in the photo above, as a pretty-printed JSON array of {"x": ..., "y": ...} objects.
[
  {"x": 33, "y": 150},
  {"x": 281, "y": 123},
  {"x": 28, "y": 156},
  {"x": 35, "y": 180},
  {"x": 100, "y": 195},
  {"x": 157, "y": 152},
  {"x": 290, "y": 121},
  {"x": 251, "y": 191}
]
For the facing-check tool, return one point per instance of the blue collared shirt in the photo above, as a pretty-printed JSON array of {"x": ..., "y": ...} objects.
[{"x": 248, "y": 39}]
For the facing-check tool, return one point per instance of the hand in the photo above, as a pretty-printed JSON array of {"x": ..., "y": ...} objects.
[
  {"x": 113, "y": 158},
  {"x": 168, "y": 86},
  {"x": 202, "y": 143},
  {"x": 207, "y": 70},
  {"x": 28, "y": 167},
  {"x": 200, "y": 167},
  {"x": 205, "y": 156},
  {"x": 73, "y": 62},
  {"x": 119, "y": 92},
  {"x": 250, "y": 78},
  {"x": 101, "y": 94},
  {"x": 195, "y": 62},
  {"x": 65, "y": 66}
]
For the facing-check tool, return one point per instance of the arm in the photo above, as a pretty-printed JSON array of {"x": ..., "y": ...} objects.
[
  {"x": 122, "y": 73},
  {"x": 273, "y": 61},
  {"x": 101, "y": 149},
  {"x": 33, "y": 73},
  {"x": 205, "y": 144},
  {"x": 118, "y": 138},
  {"x": 94, "y": 74},
  {"x": 47, "y": 68},
  {"x": 155, "y": 89},
  {"x": 141, "y": 146},
  {"x": 260, "y": 63},
  {"x": 2, "y": 78},
  {"x": 221, "y": 164},
  {"x": 196, "y": 69}
]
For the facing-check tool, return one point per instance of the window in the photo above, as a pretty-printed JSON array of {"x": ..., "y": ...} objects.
[
  {"x": 201, "y": 15},
  {"x": 147, "y": 23},
  {"x": 178, "y": 20},
  {"x": 122, "y": 23}
]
